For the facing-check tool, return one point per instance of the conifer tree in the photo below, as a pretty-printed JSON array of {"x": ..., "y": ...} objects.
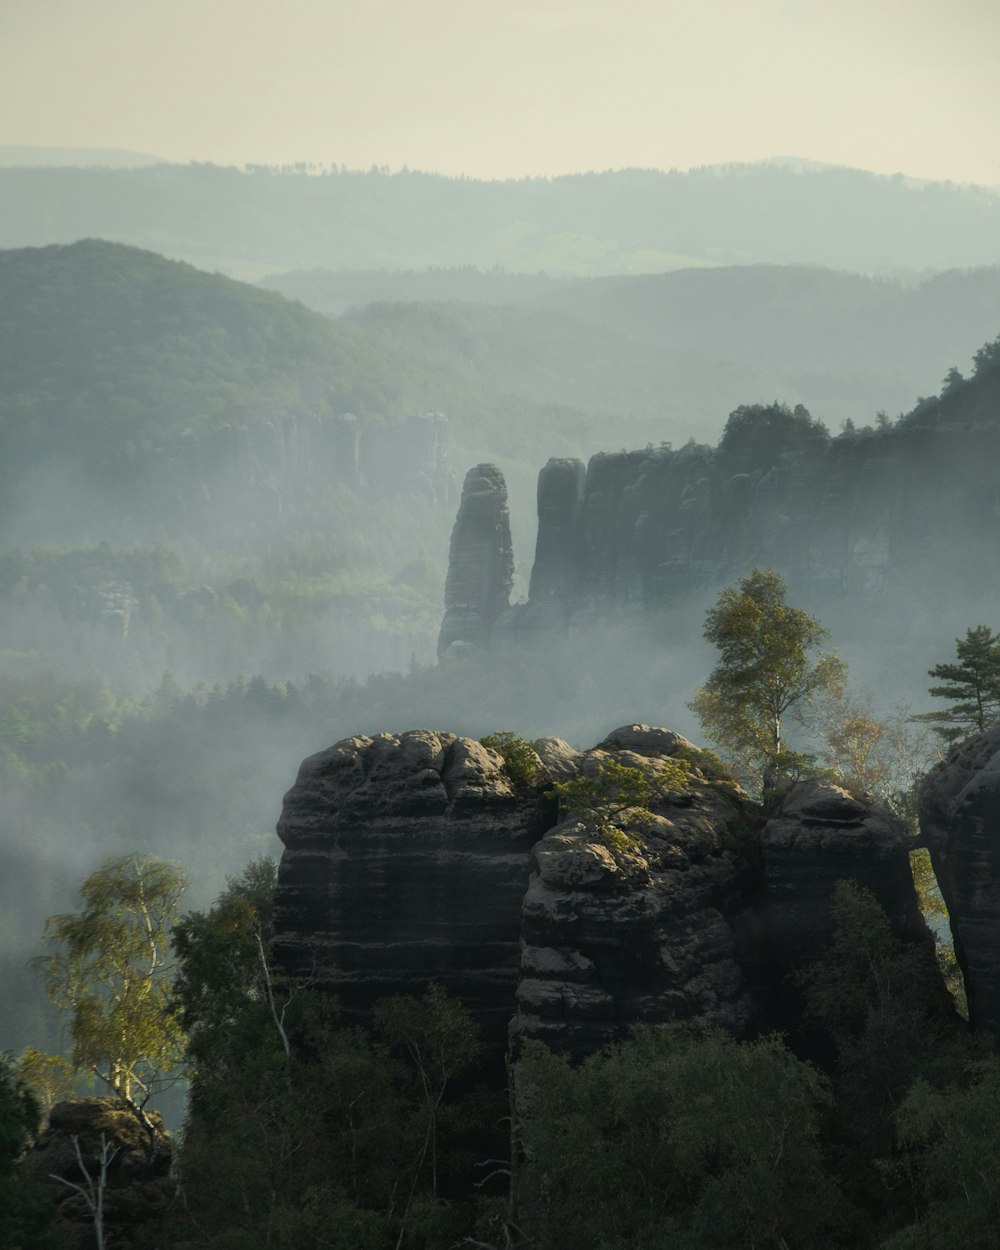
[{"x": 972, "y": 683}]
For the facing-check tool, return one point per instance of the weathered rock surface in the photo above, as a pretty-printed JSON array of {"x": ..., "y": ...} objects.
[
  {"x": 557, "y": 560},
  {"x": 86, "y": 1119},
  {"x": 822, "y": 835},
  {"x": 885, "y": 513},
  {"x": 406, "y": 860},
  {"x": 138, "y": 1184},
  {"x": 641, "y": 922},
  {"x": 414, "y": 857},
  {"x": 960, "y": 823},
  {"x": 480, "y": 561}
]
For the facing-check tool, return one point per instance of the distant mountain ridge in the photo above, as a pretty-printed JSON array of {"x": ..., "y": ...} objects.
[
  {"x": 125, "y": 376},
  {"x": 250, "y": 222},
  {"x": 684, "y": 347}
]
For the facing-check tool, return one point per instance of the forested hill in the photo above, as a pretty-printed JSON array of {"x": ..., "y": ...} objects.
[
  {"x": 255, "y": 221},
  {"x": 129, "y": 377},
  {"x": 686, "y": 347}
]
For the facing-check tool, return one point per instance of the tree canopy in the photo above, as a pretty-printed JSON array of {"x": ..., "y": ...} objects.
[
  {"x": 769, "y": 668},
  {"x": 112, "y": 970}
]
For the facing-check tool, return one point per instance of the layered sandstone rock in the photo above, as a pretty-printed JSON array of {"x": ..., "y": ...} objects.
[
  {"x": 960, "y": 823},
  {"x": 138, "y": 1186},
  {"x": 416, "y": 857},
  {"x": 643, "y": 920},
  {"x": 883, "y": 512},
  {"x": 822, "y": 835},
  {"x": 406, "y": 860},
  {"x": 480, "y": 562}
]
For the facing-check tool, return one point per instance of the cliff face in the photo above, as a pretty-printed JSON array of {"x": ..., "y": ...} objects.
[
  {"x": 858, "y": 516},
  {"x": 416, "y": 857},
  {"x": 822, "y": 835},
  {"x": 640, "y": 922},
  {"x": 959, "y": 819},
  {"x": 406, "y": 858},
  {"x": 883, "y": 511}
]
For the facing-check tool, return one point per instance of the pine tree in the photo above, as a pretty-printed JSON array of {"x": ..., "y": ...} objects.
[{"x": 973, "y": 683}]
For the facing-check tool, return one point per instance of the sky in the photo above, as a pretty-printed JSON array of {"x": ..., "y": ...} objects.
[{"x": 508, "y": 88}]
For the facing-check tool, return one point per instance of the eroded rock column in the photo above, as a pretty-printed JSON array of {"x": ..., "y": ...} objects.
[{"x": 480, "y": 563}]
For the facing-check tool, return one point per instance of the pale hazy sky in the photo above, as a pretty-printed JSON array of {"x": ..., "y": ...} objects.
[{"x": 498, "y": 88}]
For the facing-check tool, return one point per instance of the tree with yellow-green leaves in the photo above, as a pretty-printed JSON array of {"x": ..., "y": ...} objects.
[
  {"x": 112, "y": 969},
  {"x": 770, "y": 669}
]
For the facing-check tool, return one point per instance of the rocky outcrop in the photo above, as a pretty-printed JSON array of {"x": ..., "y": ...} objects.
[
  {"x": 886, "y": 512},
  {"x": 416, "y": 857},
  {"x": 480, "y": 563},
  {"x": 557, "y": 563},
  {"x": 960, "y": 821},
  {"x": 641, "y": 920},
  {"x": 819, "y": 836},
  {"x": 137, "y": 1183},
  {"x": 406, "y": 859}
]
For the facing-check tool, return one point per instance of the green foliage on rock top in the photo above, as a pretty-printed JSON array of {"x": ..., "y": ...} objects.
[
  {"x": 518, "y": 756},
  {"x": 770, "y": 434},
  {"x": 614, "y": 789}
]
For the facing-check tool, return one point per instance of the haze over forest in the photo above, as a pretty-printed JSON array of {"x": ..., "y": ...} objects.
[{"x": 239, "y": 398}]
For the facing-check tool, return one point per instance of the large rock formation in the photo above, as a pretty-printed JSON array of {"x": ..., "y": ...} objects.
[
  {"x": 418, "y": 857},
  {"x": 641, "y": 921},
  {"x": 882, "y": 512},
  {"x": 819, "y": 836},
  {"x": 406, "y": 859},
  {"x": 480, "y": 562},
  {"x": 960, "y": 823},
  {"x": 68, "y": 1153}
]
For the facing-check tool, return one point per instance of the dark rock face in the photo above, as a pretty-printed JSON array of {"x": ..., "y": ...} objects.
[
  {"x": 821, "y": 835},
  {"x": 883, "y": 513},
  {"x": 647, "y": 526},
  {"x": 87, "y": 1119},
  {"x": 406, "y": 860},
  {"x": 480, "y": 561},
  {"x": 639, "y": 923},
  {"x": 960, "y": 822},
  {"x": 413, "y": 857},
  {"x": 557, "y": 563},
  {"x": 138, "y": 1187}
]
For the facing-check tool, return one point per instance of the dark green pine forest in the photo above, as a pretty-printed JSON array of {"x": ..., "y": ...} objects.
[{"x": 225, "y": 510}]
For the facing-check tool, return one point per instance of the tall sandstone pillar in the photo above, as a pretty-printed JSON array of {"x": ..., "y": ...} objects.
[{"x": 480, "y": 562}]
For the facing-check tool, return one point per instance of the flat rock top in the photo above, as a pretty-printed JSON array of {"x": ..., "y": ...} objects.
[
  {"x": 649, "y": 740},
  {"x": 422, "y": 772}
]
